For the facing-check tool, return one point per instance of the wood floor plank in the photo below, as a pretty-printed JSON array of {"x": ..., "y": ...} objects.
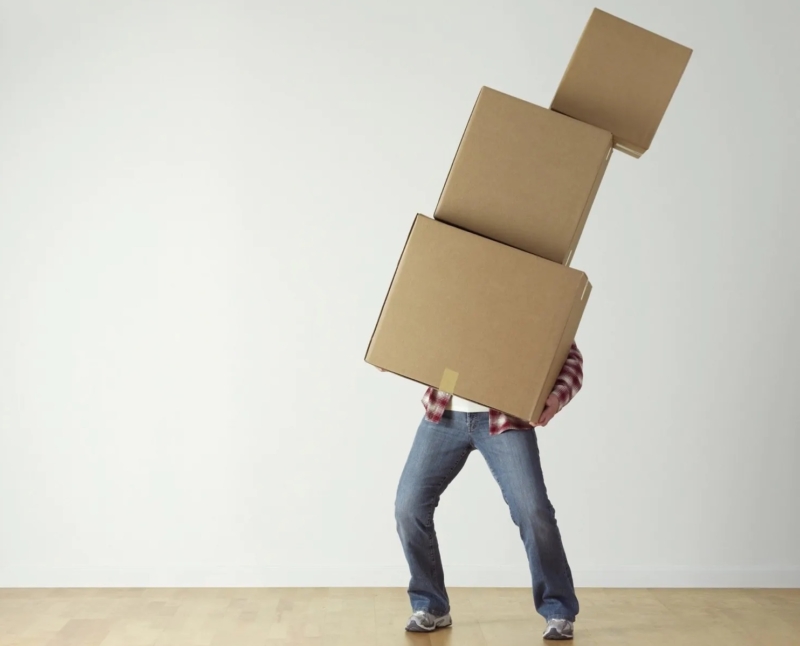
[{"x": 377, "y": 617}]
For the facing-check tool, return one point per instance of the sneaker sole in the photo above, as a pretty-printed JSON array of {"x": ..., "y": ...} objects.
[
  {"x": 554, "y": 635},
  {"x": 416, "y": 628}
]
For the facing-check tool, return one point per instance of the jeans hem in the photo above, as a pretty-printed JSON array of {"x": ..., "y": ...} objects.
[{"x": 434, "y": 611}]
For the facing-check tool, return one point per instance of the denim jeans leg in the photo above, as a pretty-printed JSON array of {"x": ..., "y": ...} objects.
[
  {"x": 513, "y": 458},
  {"x": 437, "y": 455}
]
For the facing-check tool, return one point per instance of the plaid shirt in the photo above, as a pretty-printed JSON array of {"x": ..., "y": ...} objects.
[{"x": 568, "y": 384}]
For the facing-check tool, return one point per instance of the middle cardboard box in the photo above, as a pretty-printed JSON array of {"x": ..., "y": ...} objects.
[
  {"x": 525, "y": 176},
  {"x": 478, "y": 318}
]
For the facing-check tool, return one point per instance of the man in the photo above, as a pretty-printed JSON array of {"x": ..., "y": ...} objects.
[{"x": 451, "y": 429}]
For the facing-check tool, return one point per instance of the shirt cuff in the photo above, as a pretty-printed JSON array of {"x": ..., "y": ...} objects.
[{"x": 563, "y": 393}]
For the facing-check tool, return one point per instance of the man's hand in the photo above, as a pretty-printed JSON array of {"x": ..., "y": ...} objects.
[
  {"x": 549, "y": 412},
  {"x": 381, "y": 369}
]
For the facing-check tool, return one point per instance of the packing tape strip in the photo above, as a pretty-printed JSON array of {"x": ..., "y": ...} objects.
[
  {"x": 627, "y": 149},
  {"x": 448, "y": 382}
]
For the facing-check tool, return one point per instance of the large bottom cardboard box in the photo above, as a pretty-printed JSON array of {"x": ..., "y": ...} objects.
[{"x": 478, "y": 318}]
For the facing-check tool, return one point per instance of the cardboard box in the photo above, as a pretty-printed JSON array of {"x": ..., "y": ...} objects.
[
  {"x": 621, "y": 78},
  {"x": 525, "y": 176},
  {"x": 477, "y": 318}
]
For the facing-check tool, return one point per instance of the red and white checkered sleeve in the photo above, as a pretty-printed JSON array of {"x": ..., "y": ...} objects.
[{"x": 570, "y": 381}]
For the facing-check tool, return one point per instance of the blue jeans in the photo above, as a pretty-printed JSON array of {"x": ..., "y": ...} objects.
[{"x": 437, "y": 455}]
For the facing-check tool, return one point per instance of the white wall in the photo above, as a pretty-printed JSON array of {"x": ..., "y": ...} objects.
[{"x": 201, "y": 207}]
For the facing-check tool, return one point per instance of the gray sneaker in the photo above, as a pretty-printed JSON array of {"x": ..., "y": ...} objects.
[
  {"x": 558, "y": 629},
  {"x": 425, "y": 622}
]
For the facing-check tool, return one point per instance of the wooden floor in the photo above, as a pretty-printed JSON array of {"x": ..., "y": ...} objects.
[{"x": 375, "y": 617}]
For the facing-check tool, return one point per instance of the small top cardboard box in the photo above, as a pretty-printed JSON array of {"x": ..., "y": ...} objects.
[{"x": 621, "y": 78}]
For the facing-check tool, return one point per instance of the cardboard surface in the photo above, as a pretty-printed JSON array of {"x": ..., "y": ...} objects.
[
  {"x": 525, "y": 176},
  {"x": 621, "y": 78},
  {"x": 493, "y": 323}
]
